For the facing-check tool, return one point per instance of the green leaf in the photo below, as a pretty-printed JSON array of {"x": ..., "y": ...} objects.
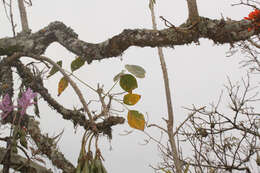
[
  {"x": 128, "y": 82},
  {"x": 23, "y": 141},
  {"x": 54, "y": 69},
  {"x": 136, "y": 70},
  {"x": 131, "y": 99},
  {"x": 136, "y": 120},
  {"x": 86, "y": 167},
  {"x": 76, "y": 64},
  {"x": 117, "y": 77},
  {"x": 14, "y": 147}
]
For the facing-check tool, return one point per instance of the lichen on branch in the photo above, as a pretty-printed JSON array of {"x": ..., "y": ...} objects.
[{"x": 219, "y": 31}]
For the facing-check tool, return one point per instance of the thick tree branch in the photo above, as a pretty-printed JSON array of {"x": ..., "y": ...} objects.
[
  {"x": 36, "y": 83},
  {"x": 219, "y": 31},
  {"x": 78, "y": 118},
  {"x": 48, "y": 147},
  {"x": 6, "y": 76},
  {"x": 22, "y": 164},
  {"x": 6, "y": 82},
  {"x": 71, "y": 82},
  {"x": 6, "y": 87}
]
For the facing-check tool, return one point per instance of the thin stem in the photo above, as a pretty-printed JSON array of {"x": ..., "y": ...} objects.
[
  {"x": 12, "y": 18},
  {"x": 168, "y": 99},
  {"x": 90, "y": 141},
  {"x": 111, "y": 89},
  {"x": 23, "y": 16},
  {"x": 193, "y": 11},
  {"x": 192, "y": 114},
  {"x": 72, "y": 83},
  {"x": 87, "y": 85}
]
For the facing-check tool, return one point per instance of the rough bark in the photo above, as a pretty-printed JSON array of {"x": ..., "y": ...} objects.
[
  {"x": 219, "y": 31},
  {"x": 48, "y": 147},
  {"x": 6, "y": 84},
  {"x": 22, "y": 164},
  {"x": 76, "y": 116}
]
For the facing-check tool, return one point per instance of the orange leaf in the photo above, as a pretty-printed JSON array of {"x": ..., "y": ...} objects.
[
  {"x": 63, "y": 84},
  {"x": 131, "y": 99},
  {"x": 136, "y": 120}
]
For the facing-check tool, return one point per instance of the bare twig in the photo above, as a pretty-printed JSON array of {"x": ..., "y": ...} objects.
[
  {"x": 190, "y": 115},
  {"x": 23, "y": 16},
  {"x": 193, "y": 11},
  {"x": 170, "y": 120}
]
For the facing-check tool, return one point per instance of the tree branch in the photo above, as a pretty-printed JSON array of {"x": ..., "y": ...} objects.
[
  {"x": 72, "y": 83},
  {"x": 48, "y": 147},
  {"x": 6, "y": 84},
  {"x": 22, "y": 164},
  {"x": 78, "y": 118},
  {"x": 219, "y": 31}
]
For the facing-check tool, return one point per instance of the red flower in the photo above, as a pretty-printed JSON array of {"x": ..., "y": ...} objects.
[{"x": 254, "y": 17}]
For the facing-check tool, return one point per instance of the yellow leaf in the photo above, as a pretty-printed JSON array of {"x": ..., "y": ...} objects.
[
  {"x": 63, "y": 84},
  {"x": 136, "y": 120},
  {"x": 131, "y": 99}
]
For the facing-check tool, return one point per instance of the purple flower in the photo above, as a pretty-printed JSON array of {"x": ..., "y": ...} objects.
[
  {"x": 6, "y": 106},
  {"x": 25, "y": 101}
]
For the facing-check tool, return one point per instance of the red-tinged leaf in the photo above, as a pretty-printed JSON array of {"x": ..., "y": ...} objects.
[
  {"x": 63, "y": 84},
  {"x": 128, "y": 82},
  {"x": 136, "y": 120},
  {"x": 131, "y": 99}
]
